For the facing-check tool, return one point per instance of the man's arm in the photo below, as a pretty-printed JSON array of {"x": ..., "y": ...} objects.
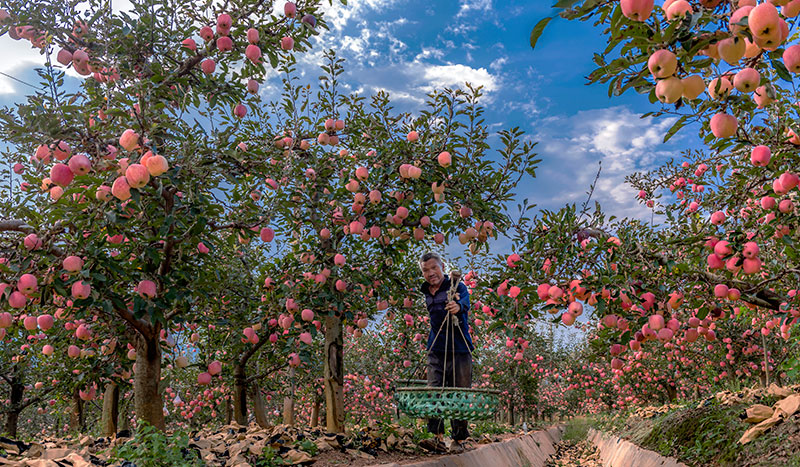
[{"x": 463, "y": 298}]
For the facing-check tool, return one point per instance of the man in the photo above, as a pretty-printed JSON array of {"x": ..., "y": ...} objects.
[{"x": 449, "y": 352}]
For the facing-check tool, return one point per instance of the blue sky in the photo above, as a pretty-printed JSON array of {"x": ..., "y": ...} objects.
[{"x": 409, "y": 47}]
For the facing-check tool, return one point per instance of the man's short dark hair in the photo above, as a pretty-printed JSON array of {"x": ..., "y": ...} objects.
[{"x": 429, "y": 256}]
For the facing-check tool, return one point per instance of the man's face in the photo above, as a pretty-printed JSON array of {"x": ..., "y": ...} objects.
[{"x": 432, "y": 272}]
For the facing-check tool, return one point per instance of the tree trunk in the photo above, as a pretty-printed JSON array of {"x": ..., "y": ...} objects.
[
  {"x": 766, "y": 360},
  {"x": 12, "y": 420},
  {"x": 288, "y": 411},
  {"x": 333, "y": 375},
  {"x": 239, "y": 395},
  {"x": 124, "y": 423},
  {"x": 315, "y": 414},
  {"x": 12, "y": 417},
  {"x": 511, "y": 412},
  {"x": 76, "y": 421},
  {"x": 671, "y": 392},
  {"x": 110, "y": 410},
  {"x": 147, "y": 398},
  {"x": 259, "y": 409}
]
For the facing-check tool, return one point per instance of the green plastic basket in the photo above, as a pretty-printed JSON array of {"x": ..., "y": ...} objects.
[{"x": 450, "y": 403}]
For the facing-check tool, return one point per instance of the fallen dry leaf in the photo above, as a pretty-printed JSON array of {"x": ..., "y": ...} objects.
[
  {"x": 788, "y": 406},
  {"x": 776, "y": 390},
  {"x": 755, "y": 431},
  {"x": 297, "y": 457},
  {"x": 758, "y": 413}
]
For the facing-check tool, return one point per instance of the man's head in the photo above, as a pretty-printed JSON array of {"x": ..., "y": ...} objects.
[{"x": 432, "y": 268}]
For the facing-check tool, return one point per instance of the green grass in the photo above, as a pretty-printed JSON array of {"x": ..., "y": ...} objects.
[{"x": 576, "y": 429}]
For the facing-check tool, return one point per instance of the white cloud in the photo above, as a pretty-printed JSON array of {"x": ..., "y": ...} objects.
[
  {"x": 18, "y": 56},
  {"x": 571, "y": 147},
  {"x": 456, "y": 75},
  {"x": 498, "y": 63},
  {"x": 474, "y": 5}
]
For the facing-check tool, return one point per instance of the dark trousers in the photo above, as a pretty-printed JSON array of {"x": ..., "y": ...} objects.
[{"x": 438, "y": 371}]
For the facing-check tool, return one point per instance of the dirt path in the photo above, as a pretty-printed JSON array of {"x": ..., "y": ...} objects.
[{"x": 582, "y": 453}]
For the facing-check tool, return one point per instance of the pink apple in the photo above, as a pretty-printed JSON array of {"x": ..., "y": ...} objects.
[
  {"x": 103, "y": 192},
  {"x": 789, "y": 181},
  {"x": 64, "y": 57},
  {"x": 82, "y": 332},
  {"x": 204, "y": 379},
  {"x": 693, "y": 86},
  {"x": 732, "y": 49},
  {"x": 17, "y": 300},
  {"x": 27, "y": 284},
  {"x": 655, "y": 322},
  {"x": 723, "y": 125},
  {"x": 267, "y": 234},
  {"x": 61, "y": 175},
  {"x": 81, "y": 290},
  {"x": 206, "y": 33},
  {"x": 252, "y": 36},
  {"x": 760, "y": 156},
  {"x": 751, "y": 265},
  {"x": 45, "y": 322},
  {"x": 669, "y": 90},
  {"x": 29, "y": 323},
  {"x": 224, "y": 23},
  {"x": 747, "y": 80},
  {"x": 137, "y": 175},
  {"x": 146, "y": 289},
  {"x": 224, "y": 44},
  {"x": 637, "y": 10},
  {"x": 208, "y": 66},
  {"x": 289, "y": 9},
  {"x": 32, "y": 242},
  {"x": 240, "y": 110},
  {"x": 718, "y": 218},
  {"x": 339, "y": 259},
  {"x": 253, "y": 53},
  {"x": 719, "y": 88},
  {"x": 444, "y": 159},
  {"x": 662, "y": 63},
  {"x": 763, "y": 20},
  {"x": 62, "y": 151},
  {"x": 129, "y": 140},
  {"x": 79, "y": 164},
  {"x": 189, "y": 43},
  {"x": 157, "y": 165}
]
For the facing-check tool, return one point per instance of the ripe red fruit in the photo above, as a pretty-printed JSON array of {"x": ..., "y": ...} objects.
[
  {"x": 208, "y": 66},
  {"x": 760, "y": 156}
]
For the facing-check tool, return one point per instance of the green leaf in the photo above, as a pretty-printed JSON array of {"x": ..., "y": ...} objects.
[
  {"x": 780, "y": 68},
  {"x": 538, "y": 30},
  {"x": 675, "y": 127},
  {"x": 565, "y": 3}
]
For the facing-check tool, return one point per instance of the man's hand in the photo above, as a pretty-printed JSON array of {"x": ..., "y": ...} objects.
[{"x": 453, "y": 307}]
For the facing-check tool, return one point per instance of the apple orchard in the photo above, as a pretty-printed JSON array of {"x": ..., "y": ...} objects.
[{"x": 172, "y": 239}]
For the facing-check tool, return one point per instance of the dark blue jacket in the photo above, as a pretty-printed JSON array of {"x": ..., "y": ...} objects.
[{"x": 435, "y": 305}]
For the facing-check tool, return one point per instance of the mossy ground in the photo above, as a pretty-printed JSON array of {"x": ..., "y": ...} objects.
[{"x": 708, "y": 436}]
